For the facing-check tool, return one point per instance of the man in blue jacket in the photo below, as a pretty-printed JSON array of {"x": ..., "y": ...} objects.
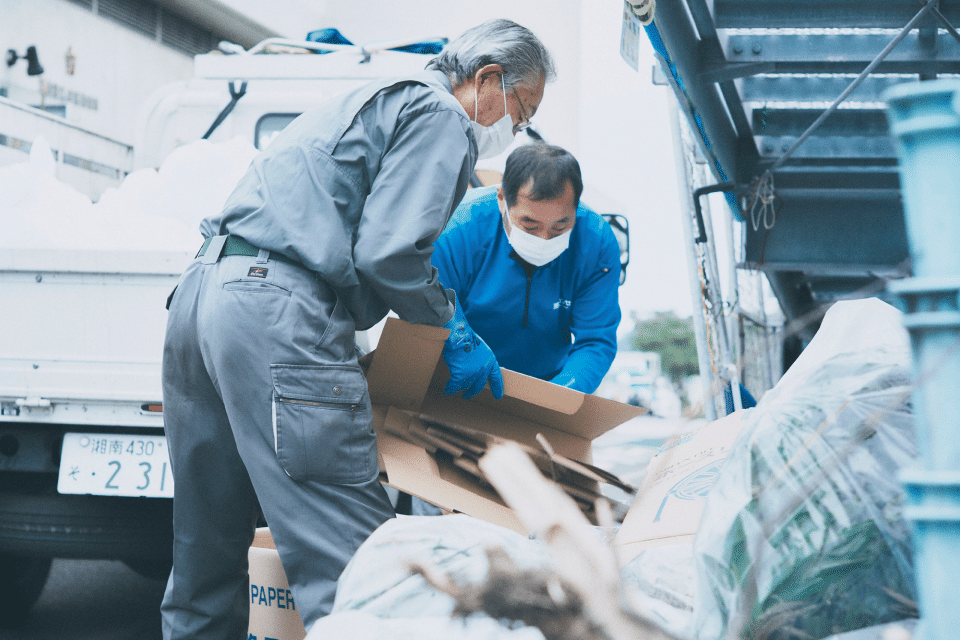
[{"x": 535, "y": 271}]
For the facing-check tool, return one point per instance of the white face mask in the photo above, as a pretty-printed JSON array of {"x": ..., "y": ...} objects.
[
  {"x": 534, "y": 250},
  {"x": 492, "y": 140}
]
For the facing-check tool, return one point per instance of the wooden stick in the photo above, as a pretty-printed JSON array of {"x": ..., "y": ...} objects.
[
  {"x": 583, "y": 562},
  {"x": 412, "y": 438},
  {"x": 421, "y": 432},
  {"x": 470, "y": 447},
  {"x": 479, "y": 438},
  {"x": 593, "y": 473},
  {"x": 470, "y": 467}
]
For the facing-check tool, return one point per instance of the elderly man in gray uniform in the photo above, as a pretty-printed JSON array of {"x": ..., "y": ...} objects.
[{"x": 265, "y": 405}]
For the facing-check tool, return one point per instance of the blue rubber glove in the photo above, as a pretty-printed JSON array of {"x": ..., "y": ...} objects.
[{"x": 470, "y": 360}]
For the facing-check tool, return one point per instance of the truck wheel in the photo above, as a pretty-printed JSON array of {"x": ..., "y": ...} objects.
[
  {"x": 94, "y": 527},
  {"x": 21, "y": 582}
]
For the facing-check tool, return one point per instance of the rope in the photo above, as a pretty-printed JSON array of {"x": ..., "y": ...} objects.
[{"x": 762, "y": 205}]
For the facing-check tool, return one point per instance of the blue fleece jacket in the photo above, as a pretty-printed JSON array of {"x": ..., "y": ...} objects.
[{"x": 557, "y": 322}]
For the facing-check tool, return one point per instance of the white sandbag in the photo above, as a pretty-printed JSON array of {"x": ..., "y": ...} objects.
[
  {"x": 360, "y": 625},
  {"x": 662, "y": 583},
  {"x": 378, "y": 580},
  {"x": 150, "y": 210}
]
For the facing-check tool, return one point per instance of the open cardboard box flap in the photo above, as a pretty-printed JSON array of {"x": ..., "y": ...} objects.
[
  {"x": 407, "y": 372},
  {"x": 406, "y": 377}
]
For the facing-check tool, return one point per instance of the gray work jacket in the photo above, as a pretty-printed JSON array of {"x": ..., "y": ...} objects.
[{"x": 358, "y": 189}]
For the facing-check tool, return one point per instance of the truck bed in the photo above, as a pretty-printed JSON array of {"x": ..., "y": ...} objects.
[{"x": 87, "y": 329}]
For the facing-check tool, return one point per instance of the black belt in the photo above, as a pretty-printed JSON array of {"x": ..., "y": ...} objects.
[{"x": 235, "y": 246}]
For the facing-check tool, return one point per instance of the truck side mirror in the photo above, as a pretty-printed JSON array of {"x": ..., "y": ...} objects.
[{"x": 621, "y": 229}]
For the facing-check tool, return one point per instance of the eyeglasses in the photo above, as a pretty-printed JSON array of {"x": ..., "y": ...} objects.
[{"x": 525, "y": 121}]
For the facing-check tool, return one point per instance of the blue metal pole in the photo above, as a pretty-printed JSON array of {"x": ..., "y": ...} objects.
[{"x": 925, "y": 123}]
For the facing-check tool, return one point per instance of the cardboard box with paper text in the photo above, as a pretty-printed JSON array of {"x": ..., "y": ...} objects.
[
  {"x": 273, "y": 609},
  {"x": 671, "y": 499}
]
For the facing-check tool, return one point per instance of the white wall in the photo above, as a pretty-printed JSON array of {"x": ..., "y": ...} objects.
[
  {"x": 626, "y": 150},
  {"x": 290, "y": 18},
  {"x": 115, "y": 66}
]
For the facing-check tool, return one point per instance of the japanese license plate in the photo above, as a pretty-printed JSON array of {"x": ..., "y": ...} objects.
[{"x": 111, "y": 464}]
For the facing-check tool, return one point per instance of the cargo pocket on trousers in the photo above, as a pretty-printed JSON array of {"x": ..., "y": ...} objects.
[{"x": 322, "y": 423}]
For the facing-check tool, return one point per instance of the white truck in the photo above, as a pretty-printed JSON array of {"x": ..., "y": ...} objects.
[{"x": 83, "y": 466}]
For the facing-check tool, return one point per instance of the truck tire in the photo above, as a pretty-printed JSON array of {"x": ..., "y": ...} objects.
[
  {"x": 94, "y": 527},
  {"x": 21, "y": 583}
]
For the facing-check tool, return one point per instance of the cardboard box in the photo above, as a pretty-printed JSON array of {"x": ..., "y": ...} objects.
[
  {"x": 420, "y": 428},
  {"x": 670, "y": 502},
  {"x": 273, "y": 610}
]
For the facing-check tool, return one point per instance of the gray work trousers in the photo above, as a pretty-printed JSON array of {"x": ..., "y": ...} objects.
[{"x": 264, "y": 406}]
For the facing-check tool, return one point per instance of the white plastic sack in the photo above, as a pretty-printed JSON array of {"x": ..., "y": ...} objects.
[
  {"x": 662, "y": 582},
  {"x": 900, "y": 630},
  {"x": 378, "y": 579},
  {"x": 359, "y": 625},
  {"x": 150, "y": 210}
]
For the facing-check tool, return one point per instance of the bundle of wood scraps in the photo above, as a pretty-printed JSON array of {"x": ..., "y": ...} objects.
[{"x": 462, "y": 447}]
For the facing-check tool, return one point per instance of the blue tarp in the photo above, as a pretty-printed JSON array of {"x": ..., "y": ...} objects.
[{"x": 333, "y": 36}]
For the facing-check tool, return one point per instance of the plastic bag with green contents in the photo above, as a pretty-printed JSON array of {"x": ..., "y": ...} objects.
[{"x": 802, "y": 535}]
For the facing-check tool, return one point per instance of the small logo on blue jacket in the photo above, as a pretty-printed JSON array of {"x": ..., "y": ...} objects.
[{"x": 562, "y": 303}]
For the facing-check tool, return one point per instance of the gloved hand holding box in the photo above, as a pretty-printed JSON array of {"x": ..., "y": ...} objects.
[{"x": 470, "y": 360}]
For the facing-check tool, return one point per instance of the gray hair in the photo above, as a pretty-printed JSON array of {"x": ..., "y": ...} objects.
[{"x": 525, "y": 61}]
